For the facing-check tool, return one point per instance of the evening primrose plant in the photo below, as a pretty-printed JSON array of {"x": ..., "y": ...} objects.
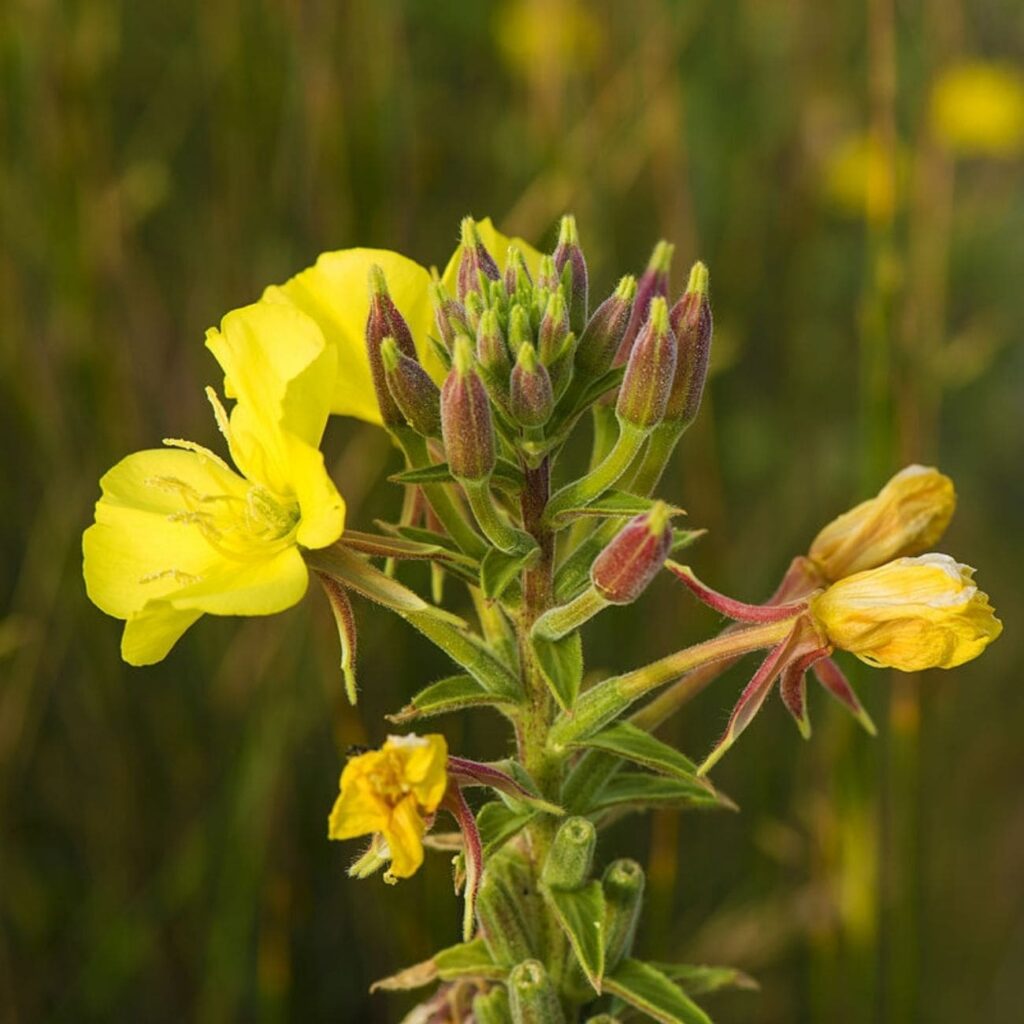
[{"x": 480, "y": 375}]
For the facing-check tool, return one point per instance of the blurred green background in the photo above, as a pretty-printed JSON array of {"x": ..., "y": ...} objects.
[{"x": 852, "y": 174}]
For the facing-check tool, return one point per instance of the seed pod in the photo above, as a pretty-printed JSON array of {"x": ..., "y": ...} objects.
[
  {"x": 449, "y": 315},
  {"x": 690, "y": 319},
  {"x": 466, "y": 423},
  {"x": 653, "y": 283},
  {"x": 533, "y": 996},
  {"x": 415, "y": 394},
  {"x": 605, "y": 329},
  {"x": 531, "y": 400},
  {"x": 385, "y": 321},
  {"x": 623, "y": 885},
  {"x": 571, "y": 855},
  {"x": 571, "y": 266},
  {"x": 474, "y": 262},
  {"x": 650, "y": 371},
  {"x": 625, "y": 568}
]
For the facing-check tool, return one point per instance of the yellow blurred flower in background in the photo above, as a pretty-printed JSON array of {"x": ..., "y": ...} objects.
[
  {"x": 977, "y": 109},
  {"x": 861, "y": 177},
  {"x": 391, "y": 792}
]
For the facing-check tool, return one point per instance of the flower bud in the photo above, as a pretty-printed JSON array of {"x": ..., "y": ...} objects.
[
  {"x": 908, "y": 516},
  {"x": 554, "y": 329},
  {"x": 653, "y": 283},
  {"x": 501, "y": 916},
  {"x": 518, "y": 282},
  {"x": 385, "y": 321},
  {"x": 571, "y": 855},
  {"x": 571, "y": 266},
  {"x": 690, "y": 320},
  {"x": 650, "y": 371},
  {"x": 531, "y": 400},
  {"x": 548, "y": 278},
  {"x": 475, "y": 261},
  {"x": 533, "y": 996},
  {"x": 625, "y": 568},
  {"x": 519, "y": 331},
  {"x": 466, "y": 423},
  {"x": 623, "y": 885},
  {"x": 911, "y": 614},
  {"x": 449, "y": 315},
  {"x": 475, "y": 309},
  {"x": 492, "y": 352},
  {"x": 415, "y": 394},
  {"x": 604, "y": 331}
]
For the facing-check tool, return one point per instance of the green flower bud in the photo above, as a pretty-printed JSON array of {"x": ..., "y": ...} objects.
[
  {"x": 547, "y": 276},
  {"x": 415, "y": 394},
  {"x": 466, "y": 423},
  {"x": 571, "y": 855},
  {"x": 520, "y": 332},
  {"x": 533, "y": 996},
  {"x": 518, "y": 283},
  {"x": 385, "y": 321},
  {"x": 475, "y": 309},
  {"x": 556, "y": 343},
  {"x": 653, "y": 283},
  {"x": 475, "y": 262},
  {"x": 605, "y": 330},
  {"x": 531, "y": 400},
  {"x": 650, "y": 371},
  {"x": 503, "y": 915},
  {"x": 690, "y": 319},
  {"x": 449, "y": 315},
  {"x": 623, "y": 885},
  {"x": 571, "y": 266},
  {"x": 623, "y": 570},
  {"x": 492, "y": 352}
]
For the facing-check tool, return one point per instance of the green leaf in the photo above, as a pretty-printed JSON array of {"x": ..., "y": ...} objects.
[
  {"x": 646, "y": 988},
  {"x": 505, "y": 475},
  {"x": 498, "y": 823},
  {"x": 612, "y": 504},
  {"x": 468, "y": 959},
  {"x": 682, "y": 539},
  {"x": 698, "y": 980},
  {"x": 580, "y": 913},
  {"x": 400, "y": 547},
  {"x": 561, "y": 664},
  {"x": 638, "y": 790},
  {"x": 634, "y": 744},
  {"x": 411, "y": 977},
  {"x": 450, "y": 694},
  {"x": 498, "y": 569}
]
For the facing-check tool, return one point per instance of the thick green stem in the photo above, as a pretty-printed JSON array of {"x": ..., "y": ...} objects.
[{"x": 656, "y": 456}]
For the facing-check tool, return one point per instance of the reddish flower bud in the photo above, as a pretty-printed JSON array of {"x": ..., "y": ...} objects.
[
  {"x": 449, "y": 315},
  {"x": 466, "y": 423},
  {"x": 690, "y": 319},
  {"x": 621, "y": 573},
  {"x": 571, "y": 266},
  {"x": 415, "y": 394},
  {"x": 604, "y": 332},
  {"x": 554, "y": 329},
  {"x": 653, "y": 282},
  {"x": 547, "y": 277},
  {"x": 650, "y": 371},
  {"x": 531, "y": 400},
  {"x": 385, "y": 321},
  {"x": 475, "y": 261}
]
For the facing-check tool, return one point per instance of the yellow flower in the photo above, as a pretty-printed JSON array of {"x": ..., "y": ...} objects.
[
  {"x": 911, "y": 614},
  {"x": 908, "y": 516},
  {"x": 977, "y": 108},
  {"x": 178, "y": 532},
  {"x": 391, "y": 792},
  {"x": 334, "y": 292},
  {"x": 862, "y": 177}
]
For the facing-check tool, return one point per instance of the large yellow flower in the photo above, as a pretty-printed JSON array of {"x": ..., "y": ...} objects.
[
  {"x": 178, "y": 532},
  {"x": 391, "y": 792},
  {"x": 907, "y": 516},
  {"x": 911, "y": 614},
  {"x": 334, "y": 292}
]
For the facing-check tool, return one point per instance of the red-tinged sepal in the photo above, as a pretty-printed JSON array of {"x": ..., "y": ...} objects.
[
  {"x": 472, "y": 853},
  {"x": 738, "y": 610},
  {"x": 793, "y": 690},
  {"x": 345, "y": 620},
  {"x": 481, "y": 773},
  {"x": 802, "y": 578},
  {"x": 832, "y": 678}
]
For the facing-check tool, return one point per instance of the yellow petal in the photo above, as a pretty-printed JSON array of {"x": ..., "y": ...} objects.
[
  {"x": 150, "y": 634},
  {"x": 359, "y": 810},
  {"x": 321, "y": 507},
  {"x": 497, "y": 244},
  {"x": 404, "y": 835},
  {"x": 425, "y": 768},
  {"x": 335, "y": 293}
]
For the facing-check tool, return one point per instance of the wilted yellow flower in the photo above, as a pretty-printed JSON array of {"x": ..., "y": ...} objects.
[
  {"x": 910, "y": 614},
  {"x": 907, "y": 516},
  {"x": 391, "y": 792},
  {"x": 178, "y": 532},
  {"x": 977, "y": 108}
]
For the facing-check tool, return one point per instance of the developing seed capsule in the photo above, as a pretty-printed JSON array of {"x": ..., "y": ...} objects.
[
  {"x": 690, "y": 319},
  {"x": 474, "y": 262},
  {"x": 571, "y": 266},
  {"x": 385, "y": 321},
  {"x": 415, "y": 394},
  {"x": 625, "y": 568},
  {"x": 653, "y": 282},
  {"x": 466, "y": 423},
  {"x": 531, "y": 400},
  {"x": 604, "y": 331},
  {"x": 650, "y": 371},
  {"x": 449, "y": 315},
  {"x": 623, "y": 885},
  {"x": 571, "y": 855}
]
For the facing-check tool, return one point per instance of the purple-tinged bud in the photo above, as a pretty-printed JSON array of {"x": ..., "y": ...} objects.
[
  {"x": 571, "y": 266},
  {"x": 531, "y": 400},
  {"x": 415, "y": 394},
  {"x": 650, "y": 371},
  {"x": 547, "y": 276},
  {"x": 474, "y": 311},
  {"x": 385, "y": 321},
  {"x": 517, "y": 274},
  {"x": 690, "y": 319},
  {"x": 604, "y": 332},
  {"x": 492, "y": 352},
  {"x": 474, "y": 261},
  {"x": 653, "y": 282},
  {"x": 623, "y": 570},
  {"x": 466, "y": 423},
  {"x": 554, "y": 329},
  {"x": 449, "y": 315}
]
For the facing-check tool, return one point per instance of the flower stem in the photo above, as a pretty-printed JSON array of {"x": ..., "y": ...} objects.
[
  {"x": 497, "y": 530},
  {"x": 556, "y": 622}
]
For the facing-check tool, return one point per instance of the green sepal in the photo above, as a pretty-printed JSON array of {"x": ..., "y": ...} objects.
[
  {"x": 498, "y": 823},
  {"x": 499, "y": 568},
  {"x": 468, "y": 960},
  {"x": 580, "y": 914},
  {"x": 446, "y": 695},
  {"x": 631, "y": 743},
  {"x": 698, "y": 979},
  {"x": 651, "y": 992},
  {"x": 561, "y": 664},
  {"x": 441, "y": 351},
  {"x": 682, "y": 539},
  {"x": 612, "y": 504},
  {"x": 640, "y": 790}
]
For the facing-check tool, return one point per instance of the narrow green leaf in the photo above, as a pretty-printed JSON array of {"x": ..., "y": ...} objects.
[
  {"x": 418, "y": 534},
  {"x": 561, "y": 664},
  {"x": 580, "y": 913},
  {"x": 450, "y": 694},
  {"x": 468, "y": 959},
  {"x": 498, "y": 569},
  {"x": 638, "y": 790},
  {"x": 682, "y": 539},
  {"x": 498, "y": 823},
  {"x": 411, "y": 977},
  {"x": 632, "y": 743},
  {"x": 402, "y": 547},
  {"x": 506, "y": 475},
  {"x": 646, "y": 988},
  {"x": 697, "y": 979},
  {"x": 612, "y": 504}
]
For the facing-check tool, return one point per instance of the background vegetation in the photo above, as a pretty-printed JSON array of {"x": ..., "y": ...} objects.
[{"x": 859, "y": 201}]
